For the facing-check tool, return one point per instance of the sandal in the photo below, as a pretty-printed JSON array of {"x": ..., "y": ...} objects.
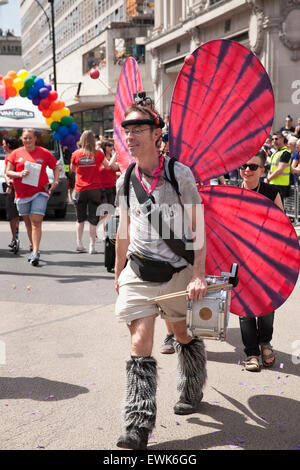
[
  {"x": 266, "y": 356},
  {"x": 252, "y": 364}
]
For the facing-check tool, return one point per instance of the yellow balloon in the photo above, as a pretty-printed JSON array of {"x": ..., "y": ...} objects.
[
  {"x": 22, "y": 74},
  {"x": 56, "y": 116},
  {"x": 65, "y": 112},
  {"x": 49, "y": 121},
  {"x": 18, "y": 83}
]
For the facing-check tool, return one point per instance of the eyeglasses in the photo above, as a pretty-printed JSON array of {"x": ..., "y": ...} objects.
[
  {"x": 251, "y": 166},
  {"x": 136, "y": 131},
  {"x": 275, "y": 138}
]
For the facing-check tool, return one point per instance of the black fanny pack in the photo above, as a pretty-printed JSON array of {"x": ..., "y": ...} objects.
[{"x": 152, "y": 270}]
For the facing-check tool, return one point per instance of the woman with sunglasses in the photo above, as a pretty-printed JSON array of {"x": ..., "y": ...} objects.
[{"x": 257, "y": 332}]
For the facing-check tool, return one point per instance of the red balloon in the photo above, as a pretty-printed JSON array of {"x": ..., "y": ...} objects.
[
  {"x": 189, "y": 59},
  {"x": 94, "y": 73},
  {"x": 52, "y": 95},
  {"x": 44, "y": 103}
]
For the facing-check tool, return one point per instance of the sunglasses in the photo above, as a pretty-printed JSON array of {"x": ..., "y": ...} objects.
[{"x": 251, "y": 166}]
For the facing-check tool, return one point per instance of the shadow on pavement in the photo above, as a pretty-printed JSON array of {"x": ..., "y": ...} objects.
[
  {"x": 38, "y": 388},
  {"x": 275, "y": 427}
]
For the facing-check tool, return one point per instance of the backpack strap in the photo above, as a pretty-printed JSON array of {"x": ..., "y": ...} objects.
[
  {"x": 173, "y": 179},
  {"x": 127, "y": 181}
]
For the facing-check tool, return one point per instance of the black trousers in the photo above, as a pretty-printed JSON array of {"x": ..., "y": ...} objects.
[{"x": 256, "y": 331}]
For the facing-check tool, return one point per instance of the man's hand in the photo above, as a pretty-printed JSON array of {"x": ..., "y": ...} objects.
[
  {"x": 197, "y": 288},
  {"x": 117, "y": 284}
]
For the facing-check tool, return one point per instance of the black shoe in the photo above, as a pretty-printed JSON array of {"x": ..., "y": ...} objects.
[
  {"x": 135, "y": 439},
  {"x": 186, "y": 407}
]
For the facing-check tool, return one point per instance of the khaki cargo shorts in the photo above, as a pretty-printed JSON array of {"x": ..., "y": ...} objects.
[{"x": 134, "y": 292}]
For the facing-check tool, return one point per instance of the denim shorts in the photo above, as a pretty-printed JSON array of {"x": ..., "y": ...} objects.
[{"x": 36, "y": 205}]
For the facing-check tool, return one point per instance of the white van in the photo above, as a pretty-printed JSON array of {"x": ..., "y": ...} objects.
[{"x": 18, "y": 113}]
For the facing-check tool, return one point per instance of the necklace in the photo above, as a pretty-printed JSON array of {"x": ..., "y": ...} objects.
[
  {"x": 156, "y": 173},
  {"x": 255, "y": 189}
]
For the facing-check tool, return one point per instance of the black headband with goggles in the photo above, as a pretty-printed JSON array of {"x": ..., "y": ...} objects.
[
  {"x": 140, "y": 99},
  {"x": 158, "y": 122}
]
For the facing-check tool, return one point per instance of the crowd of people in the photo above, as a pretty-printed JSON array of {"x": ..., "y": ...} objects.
[
  {"x": 145, "y": 266},
  {"x": 92, "y": 171}
]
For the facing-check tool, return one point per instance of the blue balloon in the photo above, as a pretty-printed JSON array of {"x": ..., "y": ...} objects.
[
  {"x": 39, "y": 83},
  {"x": 73, "y": 128},
  {"x": 56, "y": 136},
  {"x": 32, "y": 92},
  {"x": 63, "y": 131}
]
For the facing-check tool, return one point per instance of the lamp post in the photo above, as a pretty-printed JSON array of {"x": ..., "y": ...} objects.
[
  {"x": 52, "y": 36},
  {"x": 53, "y": 43}
]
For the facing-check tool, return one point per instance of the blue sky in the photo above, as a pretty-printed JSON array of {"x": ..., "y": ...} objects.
[{"x": 10, "y": 17}]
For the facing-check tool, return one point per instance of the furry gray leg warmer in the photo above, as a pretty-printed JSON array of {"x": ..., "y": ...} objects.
[
  {"x": 140, "y": 402},
  {"x": 191, "y": 375}
]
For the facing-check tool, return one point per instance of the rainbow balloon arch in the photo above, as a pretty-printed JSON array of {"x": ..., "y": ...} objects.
[{"x": 57, "y": 115}]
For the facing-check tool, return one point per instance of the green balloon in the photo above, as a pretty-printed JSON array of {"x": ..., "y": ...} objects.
[
  {"x": 55, "y": 126},
  {"x": 67, "y": 120},
  {"x": 24, "y": 92},
  {"x": 28, "y": 82}
]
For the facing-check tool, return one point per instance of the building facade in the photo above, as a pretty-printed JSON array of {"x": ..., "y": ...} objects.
[
  {"x": 10, "y": 52},
  {"x": 270, "y": 28},
  {"x": 10, "y": 49},
  {"x": 88, "y": 33}
]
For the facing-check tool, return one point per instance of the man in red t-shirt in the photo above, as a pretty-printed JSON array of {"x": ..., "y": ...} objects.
[{"x": 27, "y": 166}]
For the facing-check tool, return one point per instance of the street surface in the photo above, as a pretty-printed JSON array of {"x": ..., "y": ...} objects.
[{"x": 62, "y": 363}]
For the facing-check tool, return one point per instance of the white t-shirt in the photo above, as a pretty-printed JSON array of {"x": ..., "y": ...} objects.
[{"x": 143, "y": 237}]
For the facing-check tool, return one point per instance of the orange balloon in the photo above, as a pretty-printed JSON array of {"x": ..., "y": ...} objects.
[
  {"x": 12, "y": 74},
  {"x": 47, "y": 112},
  {"x": 8, "y": 81},
  {"x": 55, "y": 105},
  {"x": 61, "y": 104},
  {"x": 11, "y": 91}
]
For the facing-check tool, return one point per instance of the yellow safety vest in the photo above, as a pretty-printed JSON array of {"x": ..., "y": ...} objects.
[{"x": 284, "y": 178}]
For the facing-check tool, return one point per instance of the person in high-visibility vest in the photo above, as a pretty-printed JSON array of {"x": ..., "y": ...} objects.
[{"x": 280, "y": 168}]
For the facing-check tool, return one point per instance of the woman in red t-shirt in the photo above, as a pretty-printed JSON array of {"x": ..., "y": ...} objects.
[
  {"x": 27, "y": 166},
  {"x": 108, "y": 177},
  {"x": 87, "y": 162}
]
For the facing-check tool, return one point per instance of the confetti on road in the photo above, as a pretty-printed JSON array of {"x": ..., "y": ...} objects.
[
  {"x": 13, "y": 286},
  {"x": 29, "y": 288},
  {"x": 281, "y": 365}
]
